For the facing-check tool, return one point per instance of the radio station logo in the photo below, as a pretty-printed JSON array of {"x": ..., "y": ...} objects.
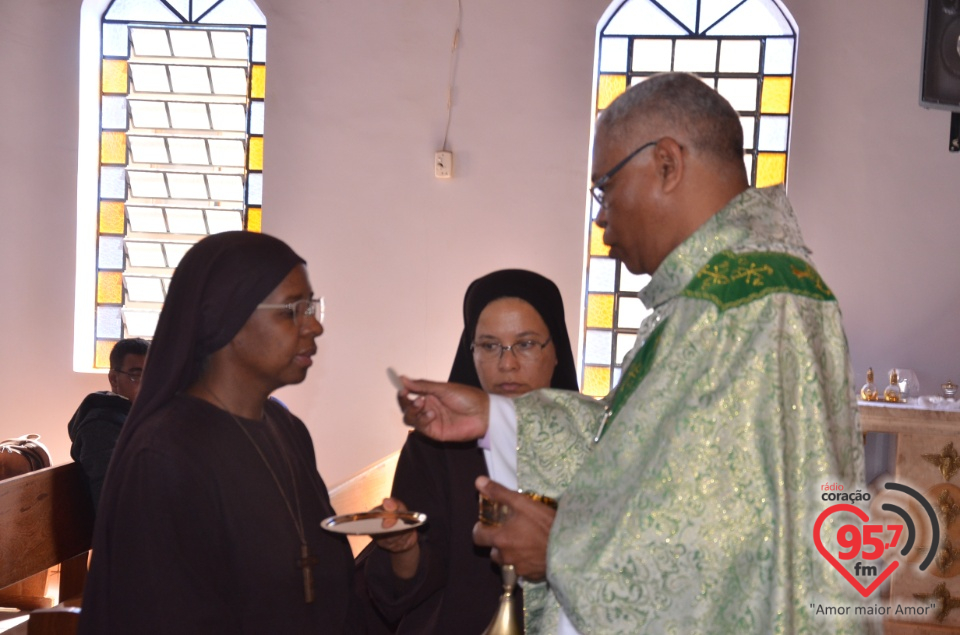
[{"x": 859, "y": 549}]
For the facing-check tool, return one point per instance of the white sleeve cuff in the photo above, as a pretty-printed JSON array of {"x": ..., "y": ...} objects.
[
  {"x": 566, "y": 627},
  {"x": 500, "y": 443}
]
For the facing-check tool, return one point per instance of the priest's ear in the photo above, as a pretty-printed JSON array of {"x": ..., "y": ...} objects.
[{"x": 670, "y": 162}]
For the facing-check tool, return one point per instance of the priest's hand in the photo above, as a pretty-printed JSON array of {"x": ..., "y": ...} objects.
[
  {"x": 404, "y": 546},
  {"x": 521, "y": 539},
  {"x": 444, "y": 411}
]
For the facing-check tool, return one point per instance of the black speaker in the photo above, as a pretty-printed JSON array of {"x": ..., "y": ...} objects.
[{"x": 940, "y": 77}]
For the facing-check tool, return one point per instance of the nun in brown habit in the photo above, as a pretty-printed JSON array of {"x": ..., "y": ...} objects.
[
  {"x": 210, "y": 515},
  {"x": 456, "y": 588}
]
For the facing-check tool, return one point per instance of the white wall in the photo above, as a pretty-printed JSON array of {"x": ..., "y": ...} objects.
[
  {"x": 875, "y": 187},
  {"x": 356, "y": 107}
]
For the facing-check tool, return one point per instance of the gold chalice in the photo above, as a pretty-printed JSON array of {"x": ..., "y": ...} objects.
[{"x": 504, "y": 621}]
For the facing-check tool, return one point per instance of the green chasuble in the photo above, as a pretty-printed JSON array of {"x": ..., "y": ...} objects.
[{"x": 694, "y": 511}]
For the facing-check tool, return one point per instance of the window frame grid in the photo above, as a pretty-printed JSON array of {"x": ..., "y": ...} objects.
[
  {"x": 588, "y": 364},
  {"x": 103, "y": 305}
]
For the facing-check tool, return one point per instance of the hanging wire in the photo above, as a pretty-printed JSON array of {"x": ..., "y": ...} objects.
[{"x": 454, "y": 57}]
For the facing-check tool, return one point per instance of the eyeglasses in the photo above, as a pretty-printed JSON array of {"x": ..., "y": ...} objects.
[
  {"x": 300, "y": 309},
  {"x": 133, "y": 377},
  {"x": 524, "y": 350},
  {"x": 596, "y": 190}
]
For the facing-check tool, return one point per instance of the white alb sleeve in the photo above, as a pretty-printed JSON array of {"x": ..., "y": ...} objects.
[
  {"x": 500, "y": 443},
  {"x": 566, "y": 627}
]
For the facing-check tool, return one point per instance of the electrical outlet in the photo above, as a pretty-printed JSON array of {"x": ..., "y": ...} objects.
[{"x": 443, "y": 165}]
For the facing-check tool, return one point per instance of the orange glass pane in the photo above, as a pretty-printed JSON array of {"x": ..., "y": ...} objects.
[
  {"x": 597, "y": 248},
  {"x": 255, "y": 150},
  {"x": 109, "y": 287},
  {"x": 600, "y": 310},
  {"x": 771, "y": 168},
  {"x": 102, "y": 353},
  {"x": 111, "y": 217},
  {"x": 113, "y": 148},
  {"x": 254, "y": 220},
  {"x": 596, "y": 381},
  {"x": 258, "y": 81},
  {"x": 775, "y": 96},
  {"x": 609, "y": 88},
  {"x": 114, "y": 78}
]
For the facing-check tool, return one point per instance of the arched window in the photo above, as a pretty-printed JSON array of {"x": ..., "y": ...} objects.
[
  {"x": 170, "y": 150},
  {"x": 745, "y": 49}
]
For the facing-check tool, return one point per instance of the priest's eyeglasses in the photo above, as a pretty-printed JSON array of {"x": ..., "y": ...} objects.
[
  {"x": 524, "y": 350},
  {"x": 597, "y": 188},
  {"x": 300, "y": 309}
]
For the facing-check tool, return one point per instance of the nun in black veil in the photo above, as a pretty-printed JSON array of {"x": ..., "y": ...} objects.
[
  {"x": 514, "y": 340},
  {"x": 210, "y": 516}
]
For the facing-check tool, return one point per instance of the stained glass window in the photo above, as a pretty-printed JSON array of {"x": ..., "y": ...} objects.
[
  {"x": 745, "y": 49},
  {"x": 178, "y": 99}
]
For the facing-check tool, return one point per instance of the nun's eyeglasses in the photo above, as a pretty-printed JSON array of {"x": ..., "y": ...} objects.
[
  {"x": 300, "y": 309},
  {"x": 524, "y": 350}
]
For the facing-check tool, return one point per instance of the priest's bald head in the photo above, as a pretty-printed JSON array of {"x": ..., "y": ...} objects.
[{"x": 667, "y": 155}]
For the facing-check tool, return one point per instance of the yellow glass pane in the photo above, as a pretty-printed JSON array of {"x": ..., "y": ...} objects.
[
  {"x": 771, "y": 168},
  {"x": 102, "y": 353},
  {"x": 775, "y": 96},
  {"x": 115, "y": 76},
  {"x": 600, "y": 310},
  {"x": 596, "y": 381},
  {"x": 258, "y": 81},
  {"x": 609, "y": 88},
  {"x": 254, "y": 220},
  {"x": 256, "y": 153},
  {"x": 111, "y": 217},
  {"x": 597, "y": 248},
  {"x": 113, "y": 147},
  {"x": 109, "y": 287}
]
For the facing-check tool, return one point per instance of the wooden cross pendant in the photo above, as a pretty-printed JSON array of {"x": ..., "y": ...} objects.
[{"x": 305, "y": 562}]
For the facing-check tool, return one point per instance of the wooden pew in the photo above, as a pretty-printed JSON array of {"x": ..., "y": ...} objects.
[
  {"x": 20, "y": 455},
  {"x": 46, "y": 518}
]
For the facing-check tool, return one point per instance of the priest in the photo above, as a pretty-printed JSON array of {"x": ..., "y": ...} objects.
[{"x": 688, "y": 495}]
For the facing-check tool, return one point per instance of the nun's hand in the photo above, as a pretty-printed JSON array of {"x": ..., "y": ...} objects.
[
  {"x": 443, "y": 411},
  {"x": 404, "y": 546}
]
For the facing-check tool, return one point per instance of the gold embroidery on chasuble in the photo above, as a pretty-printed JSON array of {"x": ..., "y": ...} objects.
[{"x": 730, "y": 280}]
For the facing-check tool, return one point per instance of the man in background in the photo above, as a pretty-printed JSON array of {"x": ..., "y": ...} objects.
[{"x": 96, "y": 424}]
